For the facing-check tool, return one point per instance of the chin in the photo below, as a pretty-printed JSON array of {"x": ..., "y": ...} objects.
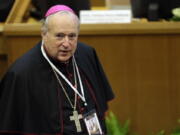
[{"x": 63, "y": 59}]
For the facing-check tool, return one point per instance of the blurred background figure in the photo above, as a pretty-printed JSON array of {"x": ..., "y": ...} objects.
[
  {"x": 154, "y": 10},
  {"x": 41, "y": 6},
  {"x": 5, "y": 7}
]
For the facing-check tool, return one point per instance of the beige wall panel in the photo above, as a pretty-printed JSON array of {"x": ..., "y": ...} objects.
[{"x": 117, "y": 2}]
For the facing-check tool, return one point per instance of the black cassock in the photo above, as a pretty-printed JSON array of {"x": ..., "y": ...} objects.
[{"x": 32, "y": 101}]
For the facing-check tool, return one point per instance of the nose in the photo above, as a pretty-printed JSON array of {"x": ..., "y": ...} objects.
[
  {"x": 66, "y": 38},
  {"x": 66, "y": 41}
]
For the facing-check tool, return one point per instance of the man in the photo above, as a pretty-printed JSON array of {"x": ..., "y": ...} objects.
[{"x": 58, "y": 87}]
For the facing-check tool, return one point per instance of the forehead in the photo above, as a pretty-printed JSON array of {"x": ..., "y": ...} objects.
[{"x": 62, "y": 23}]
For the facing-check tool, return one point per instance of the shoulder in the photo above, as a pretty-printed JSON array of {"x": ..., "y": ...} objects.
[
  {"x": 86, "y": 56},
  {"x": 27, "y": 62},
  {"x": 84, "y": 49}
]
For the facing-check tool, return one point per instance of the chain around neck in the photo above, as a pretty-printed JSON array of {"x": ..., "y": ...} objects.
[{"x": 64, "y": 90}]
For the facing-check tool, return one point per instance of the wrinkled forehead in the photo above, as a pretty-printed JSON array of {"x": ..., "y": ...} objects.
[
  {"x": 63, "y": 17},
  {"x": 62, "y": 21}
]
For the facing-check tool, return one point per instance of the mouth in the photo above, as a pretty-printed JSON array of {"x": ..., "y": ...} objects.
[{"x": 64, "y": 52}]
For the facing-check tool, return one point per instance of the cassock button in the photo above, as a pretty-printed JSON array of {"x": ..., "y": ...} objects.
[
  {"x": 70, "y": 75},
  {"x": 82, "y": 109}
]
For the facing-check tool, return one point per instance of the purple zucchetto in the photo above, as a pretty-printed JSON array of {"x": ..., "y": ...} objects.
[{"x": 58, "y": 8}]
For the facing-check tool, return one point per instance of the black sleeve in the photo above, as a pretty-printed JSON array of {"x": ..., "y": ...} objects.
[{"x": 109, "y": 95}]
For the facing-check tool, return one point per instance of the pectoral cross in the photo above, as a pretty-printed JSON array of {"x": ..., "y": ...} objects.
[{"x": 76, "y": 117}]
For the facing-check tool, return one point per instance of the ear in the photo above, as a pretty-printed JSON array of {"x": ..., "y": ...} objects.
[{"x": 43, "y": 35}]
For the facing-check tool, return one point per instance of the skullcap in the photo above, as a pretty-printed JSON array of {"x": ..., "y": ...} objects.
[{"x": 57, "y": 8}]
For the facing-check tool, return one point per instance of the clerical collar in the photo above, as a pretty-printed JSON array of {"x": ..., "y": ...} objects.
[{"x": 60, "y": 63}]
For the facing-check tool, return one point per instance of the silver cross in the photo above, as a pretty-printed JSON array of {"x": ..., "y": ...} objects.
[{"x": 76, "y": 117}]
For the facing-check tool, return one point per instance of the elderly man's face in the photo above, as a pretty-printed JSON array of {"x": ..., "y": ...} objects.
[{"x": 61, "y": 39}]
